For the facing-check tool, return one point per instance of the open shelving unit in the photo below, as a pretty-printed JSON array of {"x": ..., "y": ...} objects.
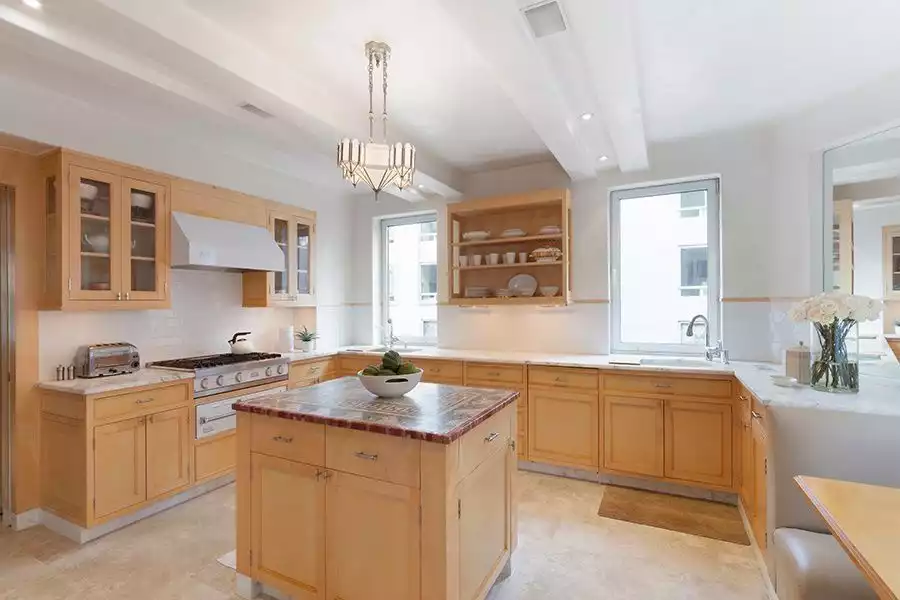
[{"x": 528, "y": 212}]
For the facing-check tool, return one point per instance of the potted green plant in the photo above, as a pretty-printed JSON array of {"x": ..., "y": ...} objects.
[{"x": 307, "y": 339}]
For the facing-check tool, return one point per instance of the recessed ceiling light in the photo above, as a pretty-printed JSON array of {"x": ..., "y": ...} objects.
[
  {"x": 35, "y": 4},
  {"x": 603, "y": 158},
  {"x": 421, "y": 187},
  {"x": 587, "y": 116}
]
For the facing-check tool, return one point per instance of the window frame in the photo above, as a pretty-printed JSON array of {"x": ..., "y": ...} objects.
[
  {"x": 713, "y": 242},
  {"x": 384, "y": 270}
]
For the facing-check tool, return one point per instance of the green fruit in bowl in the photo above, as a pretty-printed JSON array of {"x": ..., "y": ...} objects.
[
  {"x": 407, "y": 368},
  {"x": 391, "y": 360},
  {"x": 386, "y": 373},
  {"x": 372, "y": 370}
]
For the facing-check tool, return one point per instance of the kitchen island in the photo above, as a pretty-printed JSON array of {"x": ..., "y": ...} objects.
[{"x": 342, "y": 495}]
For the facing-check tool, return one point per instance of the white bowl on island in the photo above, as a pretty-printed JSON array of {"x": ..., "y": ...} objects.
[{"x": 390, "y": 386}]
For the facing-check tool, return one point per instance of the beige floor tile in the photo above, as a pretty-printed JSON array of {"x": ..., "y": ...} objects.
[{"x": 565, "y": 552}]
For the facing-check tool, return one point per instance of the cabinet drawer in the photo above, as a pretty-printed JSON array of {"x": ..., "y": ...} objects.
[
  {"x": 125, "y": 406},
  {"x": 485, "y": 439},
  {"x": 382, "y": 457},
  {"x": 492, "y": 373},
  {"x": 440, "y": 371},
  {"x": 582, "y": 379},
  {"x": 311, "y": 370},
  {"x": 294, "y": 440},
  {"x": 678, "y": 386}
]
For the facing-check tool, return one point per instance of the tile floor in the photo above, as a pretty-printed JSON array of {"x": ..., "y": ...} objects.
[{"x": 565, "y": 552}]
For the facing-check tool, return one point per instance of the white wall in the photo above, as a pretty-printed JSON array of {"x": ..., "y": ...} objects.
[{"x": 52, "y": 118}]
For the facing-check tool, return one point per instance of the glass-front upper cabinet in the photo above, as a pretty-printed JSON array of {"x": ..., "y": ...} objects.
[
  {"x": 891, "y": 236},
  {"x": 292, "y": 285},
  {"x": 95, "y": 268},
  {"x": 281, "y": 230},
  {"x": 303, "y": 281},
  {"x": 145, "y": 234}
]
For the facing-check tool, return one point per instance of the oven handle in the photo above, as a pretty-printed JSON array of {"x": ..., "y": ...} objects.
[{"x": 205, "y": 420}]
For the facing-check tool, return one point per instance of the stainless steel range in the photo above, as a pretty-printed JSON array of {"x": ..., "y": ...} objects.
[{"x": 216, "y": 377}]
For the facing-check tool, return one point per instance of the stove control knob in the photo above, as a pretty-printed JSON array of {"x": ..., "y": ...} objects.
[
  {"x": 220, "y": 380},
  {"x": 268, "y": 371},
  {"x": 239, "y": 377},
  {"x": 204, "y": 383},
  {"x": 281, "y": 369}
]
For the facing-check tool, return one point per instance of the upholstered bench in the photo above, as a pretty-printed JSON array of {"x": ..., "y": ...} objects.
[{"x": 813, "y": 566}]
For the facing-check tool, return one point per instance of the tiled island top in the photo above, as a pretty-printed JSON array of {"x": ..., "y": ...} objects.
[{"x": 431, "y": 412}]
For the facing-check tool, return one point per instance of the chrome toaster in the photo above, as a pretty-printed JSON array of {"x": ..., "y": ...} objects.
[{"x": 100, "y": 360}]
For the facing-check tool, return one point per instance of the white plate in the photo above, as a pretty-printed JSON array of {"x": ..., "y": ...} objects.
[
  {"x": 476, "y": 236},
  {"x": 513, "y": 233},
  {"x": 549, "y": 230},
  {"x": 784, "y": 381},
  {"x": 522, "y": 285}
]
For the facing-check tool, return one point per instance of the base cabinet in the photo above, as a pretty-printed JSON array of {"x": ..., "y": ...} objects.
[
  {"x": 288, "y": 526},
  {"x": 698, "y": 442},
  {"x": 563, "y": 427},
  {"x": 168, "y": 451},
  {"x": 120, "y": 466},
  {"x": 754, "y": 466},
  {"x": 633, "y": 433},
  {"x": 760, "y": 470}
]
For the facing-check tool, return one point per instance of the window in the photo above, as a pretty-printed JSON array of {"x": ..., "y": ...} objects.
[
  {"x": 409, "y": 277},
  {"x": 664, "y": 261},
  {"x": 428, "y": 281}
]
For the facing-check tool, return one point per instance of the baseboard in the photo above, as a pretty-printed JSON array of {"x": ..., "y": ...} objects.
[
  {"x": 570, "y": 472},
  {"x": 24, "y": 520},
  {"x": 760, "y": 557},
  {"x": 82, "y": 535}
]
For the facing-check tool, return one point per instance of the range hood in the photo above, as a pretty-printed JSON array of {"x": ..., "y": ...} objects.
[{"x": 214, "y": 244}]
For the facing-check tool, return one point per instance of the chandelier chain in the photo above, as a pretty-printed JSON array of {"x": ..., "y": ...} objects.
[
  {"x": 371, "y": 93},
  {"x": 384, "y": 114}
]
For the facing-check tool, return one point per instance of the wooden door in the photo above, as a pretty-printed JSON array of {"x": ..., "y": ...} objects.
[
  {"x": 280, "y": 286},
  {"x": 287, "y": 526},
  {"x": 633, "y": 435},
  {"x": 485, "y": 519},
  {"x": 563, "y": 427},
  {"x": 698, "y": 442},
  {"x": 760, "y": 470},
  {"x": 95, "y": 257},
  {"x": 168, "y": 451},
  {"x": 120, "y": 467},
  {"x": 373, "y": 539},
  {"x": 302, "y": 241},
  {"x": 748, "y": 477},
  {"x": 145, "y": 235}
]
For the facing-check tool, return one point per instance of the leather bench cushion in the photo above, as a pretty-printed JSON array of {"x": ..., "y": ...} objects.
[{"x": 813, "y": 566}]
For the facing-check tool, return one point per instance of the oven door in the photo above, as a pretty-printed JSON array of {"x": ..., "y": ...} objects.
[{"x": 217, "y": 416}]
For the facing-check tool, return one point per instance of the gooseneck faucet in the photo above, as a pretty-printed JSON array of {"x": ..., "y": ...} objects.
[
  {"x": 390, "y": 338},
  {"x": 717, "y": 351}
]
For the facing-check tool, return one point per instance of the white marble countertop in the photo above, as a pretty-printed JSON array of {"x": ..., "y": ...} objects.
[{"x": 113, "y": 383}]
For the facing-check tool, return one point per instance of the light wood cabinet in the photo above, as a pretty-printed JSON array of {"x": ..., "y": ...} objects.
[
  {"x": 288, "y": 526},
  {"x": 563, "y": 427},
  {"x": 120, "y": 466},
  {"x": 294, "y": 233},
  {"x": 168, "y": 451},
  {"x": 372, "y": 549},
  {"x": 754, "y": 466},
  {"x": 633, "y": 433},
  {"x": 506, "y": 377},
  {"x": 698, "y": 442},
  {"x": 107, "y": 235},
  {"x": 303, "y": 374}
]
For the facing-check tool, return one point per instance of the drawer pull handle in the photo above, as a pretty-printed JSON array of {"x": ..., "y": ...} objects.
[
  {"x": 281, "y": 438},
  {"x": 755, "y": 415},
  {"x": 663, "y": 386},
  {"x": 314, "y": 369},
  {"x": 490, "y": 438},
  {"x": 560, "y": 379},
  {"x": 742, "y": 398},
  {"x": 144, "y": 400},
  {"x": 493, "y": 373},
  {"x": 366, "y": 456}
]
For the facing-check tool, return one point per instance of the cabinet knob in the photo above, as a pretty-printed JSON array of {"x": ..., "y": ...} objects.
[
  {"x": 755, "y": 415},
  {"x": 128, "y": 295},
  {"x": 119, "y": 296}
]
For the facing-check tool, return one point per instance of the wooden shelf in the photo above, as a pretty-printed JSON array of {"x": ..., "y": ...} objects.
[
  {"x": 557, "y": 263},
  {"x": 532, "y": 301},
  {"x": 91, "y": 217},
  {"x": 143, "y": 224},
  {"x": 96, "y": 254},
  {"x": 509, "y": 240},
  {"x": 144, "y": 258}
]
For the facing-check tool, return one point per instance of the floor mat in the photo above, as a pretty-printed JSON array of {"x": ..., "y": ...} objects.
[{"x": 675, "y": 513}]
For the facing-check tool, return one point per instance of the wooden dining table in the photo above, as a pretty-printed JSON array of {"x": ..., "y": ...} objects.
[{"x": 865, "y": 520}]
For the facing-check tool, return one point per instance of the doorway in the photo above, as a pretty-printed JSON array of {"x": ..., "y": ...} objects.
[{"x": 7, "y": 339}]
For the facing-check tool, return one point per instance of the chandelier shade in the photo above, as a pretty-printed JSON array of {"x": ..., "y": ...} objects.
[{"x": 378, "y": 164}]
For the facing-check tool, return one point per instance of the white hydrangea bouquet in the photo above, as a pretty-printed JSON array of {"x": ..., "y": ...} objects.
[{"x": 833, "y": 316}]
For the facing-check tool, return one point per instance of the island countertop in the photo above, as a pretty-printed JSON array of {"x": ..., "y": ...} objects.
[{"x": 430, "y": 412}]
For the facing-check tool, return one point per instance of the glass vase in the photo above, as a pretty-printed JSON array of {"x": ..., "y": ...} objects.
[{"x": 835, "y": 363}]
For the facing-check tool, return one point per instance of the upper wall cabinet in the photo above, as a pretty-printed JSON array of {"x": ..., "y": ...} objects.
[
  {"x": 294, "y": 231},
  {"x": 107, "y": 235},
  {"x": 511, "y": 249}
]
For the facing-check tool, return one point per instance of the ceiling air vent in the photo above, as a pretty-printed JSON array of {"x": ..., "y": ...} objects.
[
  {"x": 545, "y": 19},
  {"x": 255, "y": 110}
]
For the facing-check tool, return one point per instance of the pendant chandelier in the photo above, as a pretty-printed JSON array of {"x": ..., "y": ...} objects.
[{"x": 377, "y": 164}]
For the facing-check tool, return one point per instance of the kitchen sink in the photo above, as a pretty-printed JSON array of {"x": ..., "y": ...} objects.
[
  {"x": 683, "y": 363},
  {"x": 399, "y": 349}
]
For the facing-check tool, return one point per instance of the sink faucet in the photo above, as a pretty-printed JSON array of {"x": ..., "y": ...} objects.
[
  {"x": 717, "y": 351},
  {"x": 390, "y": 338}
]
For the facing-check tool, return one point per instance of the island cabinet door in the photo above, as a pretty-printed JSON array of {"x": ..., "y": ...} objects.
[
  {"x": 287, "y": 538},
  {"x": 373, "y": 533},
  {"x": 633, "y": 435},
  {"x": 485, "y": 522},
  {"x": 699, "y": 442}
]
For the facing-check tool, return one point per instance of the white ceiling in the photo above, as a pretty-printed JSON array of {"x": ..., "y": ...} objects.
[{"x": 469, "y": 83}]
